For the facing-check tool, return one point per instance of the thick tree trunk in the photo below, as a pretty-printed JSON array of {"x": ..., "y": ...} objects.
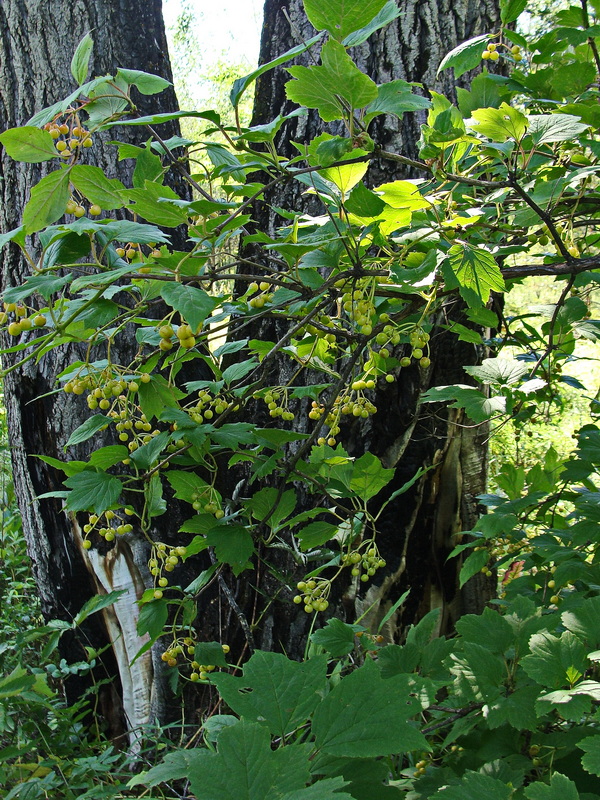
[
  {"x": 37, "y": 41},
  {"x": 417, "y": 531}
]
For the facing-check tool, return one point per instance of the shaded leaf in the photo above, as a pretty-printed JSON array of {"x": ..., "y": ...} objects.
[
  {"x": 275, "y": 690},
  {"x": 344, "y": 725},
  {"x": 92, "y": 491}
]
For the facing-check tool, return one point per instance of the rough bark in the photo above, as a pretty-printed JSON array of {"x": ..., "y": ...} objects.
[
  {"x": 37, "y": 41},
  {"x": 417, "y": 532}
]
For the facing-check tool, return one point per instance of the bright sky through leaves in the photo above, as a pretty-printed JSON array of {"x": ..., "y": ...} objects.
[{"x": 228, "y": 30}]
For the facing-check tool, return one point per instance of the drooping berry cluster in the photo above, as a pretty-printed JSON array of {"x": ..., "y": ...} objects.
[
  {"x": 69, "y": 136},
  {"x": 183, "y": 650},
  {"x": 491, "y": 53},
  {"x": 314, "y": 594},
  {"x": 107, "y": 525},
  {"x": 19, "y": 318},
  {"x": 164, "y": 558},
  {"x": 364, "y": 564}
]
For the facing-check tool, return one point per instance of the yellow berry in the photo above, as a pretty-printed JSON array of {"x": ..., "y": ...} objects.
[{"x": 95, "y": 210}]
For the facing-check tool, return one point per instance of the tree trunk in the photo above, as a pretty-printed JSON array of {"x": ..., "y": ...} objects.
[
  {"x": 417, "y": 531},
  {"x": 37, "y": 41}
]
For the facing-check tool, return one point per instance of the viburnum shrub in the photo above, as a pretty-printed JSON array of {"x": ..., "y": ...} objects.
[{"x": 507, "y": 190}]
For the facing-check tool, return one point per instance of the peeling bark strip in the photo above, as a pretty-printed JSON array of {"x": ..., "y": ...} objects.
[
  {"x": 117, "y": 570},
  {"x": 37, "y": 42}
]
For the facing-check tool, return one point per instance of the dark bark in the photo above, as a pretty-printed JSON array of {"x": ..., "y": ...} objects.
[
  {"x": 416, "y": 533},
  {"x": 37, "y": 41}
]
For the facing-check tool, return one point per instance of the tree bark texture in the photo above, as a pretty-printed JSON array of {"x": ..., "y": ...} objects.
[
  {"x": 417, "y": 531},
  {"x": 37, "y": 41}
]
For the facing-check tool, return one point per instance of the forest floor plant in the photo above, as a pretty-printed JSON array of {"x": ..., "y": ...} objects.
[{"x": 508, "y": 708}]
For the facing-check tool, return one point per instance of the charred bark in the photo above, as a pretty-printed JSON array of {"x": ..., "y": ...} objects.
[{"x": 417, "y": 531}]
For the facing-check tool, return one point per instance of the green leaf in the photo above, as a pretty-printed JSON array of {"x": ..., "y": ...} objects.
[
  {"x": 156, "y": 395},
  {"x": 229, "y": 164},
  {"x": 96, "y": 187},
  {"x": 46, "y": 285},
  {"x": 267, "y": 502},
  {"x": 388, "y": 14},
  {"x": 81, "y": 59},
  {"x": 341, "y": 17},
  {"x": 145, "y": 456},
  {"x": 148, "y": 167},
  {"x": 186, "y": 485},
  {"x": 363, "y": 202},
  {"x": 29, "y": 144},
  {"x": 546, "y": 128},
  {"x": 236, "y": 372},
  {"x": 500, "y": 124},
  {"x": 395, "y": 97},
  {"x": 92, "y": 491},
  {"x": 246, "y": 768},
  {"x": 241, "y": 84},
  {"x": 16, "y": 682},
  {"x": 144, "y": 81},
  {"x": 156, "y": 505},
  {"x": 315, "y": 534},
  {"x": 490, "y": 626},
  {"x": 551, "y": 656},
  {"x": 153, "y": 618},
  {"x": 473, "y": 564},
  {"x": 466, "y": 56},
  {"x": 321, "y": 87},
  {"x": 591, "y": 759},
  {"x": 336, "y": 637},
  {"x": 511, "y": 9},
  {"x": 475, "y": 786},
  {"x": 147, "y": 203},
  {"x": 107, "y": 457},
  {"x": 210, "y": 653},
  {"x": 47, "y": 201},
  {"x": 50, "y": 113},
  {"x": 369, "y": 477},
  {"x": 478, "y": 672},
  {"x": 194, "y": 305},
  {"x": 476, "y": 269},
  {"x": 476, "y": 405},
  {"x": 345, "y": 725},
  {"x": 498, "y": 371},
  {"x": 324, "y": 789},
  {"x": 87, "y": 429},
  {"x": 97, "y": 603},
  {"x": 16, "y": 235},
  {"x": 233, "y": 545},
  {"x": 560, "y": 788},
  {"x": 275, "y": 690}
]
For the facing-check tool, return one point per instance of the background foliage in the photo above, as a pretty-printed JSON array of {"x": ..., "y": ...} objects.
[{"x": 508, "y": 706}]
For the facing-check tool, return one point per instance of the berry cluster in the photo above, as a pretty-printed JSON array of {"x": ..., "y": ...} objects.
[
  {"x": 264, "y": 296},
  {"x": 163, "y": 558},
  {"x": 184, "y": 336},
  {"x": 314, "y": 594},
  {"x": 69, "y": 137},
  {"x": 277, "y": 401},
  {"x": 419, "y": 342},
  {"x": 74, "y": 207},
  {"x": 208, "y": 501},
  {"x": 491, "y": 52},
  {"x": 23, "y": 319},
  {"x": 186, "y": 648},
  {"x": 107, "y": 525},
  {"x": 207, "y": 406},
  {"x": 364, "y": 564}
]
